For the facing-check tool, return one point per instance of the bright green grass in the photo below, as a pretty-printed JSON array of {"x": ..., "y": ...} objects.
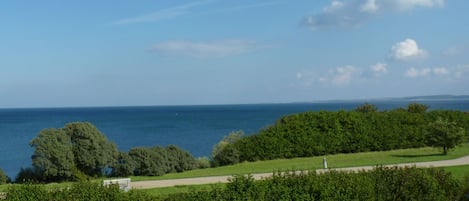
[
  {"x": 458, "y": 172},
  {"x": 311, "y": 163}
]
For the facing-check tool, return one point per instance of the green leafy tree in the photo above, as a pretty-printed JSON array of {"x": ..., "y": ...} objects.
[
  {"x": 92, "y": 150},
  {"x": 417, "y": 108},
  {"x": 179, "y": 160},
  {"x": 217, "y": 150},
  {"x": 444, "y": 134},
  {"x": 53, "y": 156},
  {"x": 366, "y": 108},
  {"x": 124, "y": 167},
  {"x": 148, "y": 161},
  {"x": 3, "y": 178}
]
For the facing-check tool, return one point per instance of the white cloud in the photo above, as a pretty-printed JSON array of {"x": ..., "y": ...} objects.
[
  {"x": 461, "y": 71},
  {"x": 369, "y": 6},
  {"x": 407, "y": 50},
  {"x": 211, "y": 49},
  {"x": 163, "y": 14},
  {"x": 414, "y": 73},
  {"x": 339, "y": 76},
  {"x": 379, "y": 69},
  {"x": 440, "y": 71},
  {"x": 411, "y": 4},
  {"x": 353, "y": 13}
]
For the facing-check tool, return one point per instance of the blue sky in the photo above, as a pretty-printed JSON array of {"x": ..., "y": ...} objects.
[{"x": 111, "y": 53}]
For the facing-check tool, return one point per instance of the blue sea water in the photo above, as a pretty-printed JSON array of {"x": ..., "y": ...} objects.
[{"x": 193, "y": 128}]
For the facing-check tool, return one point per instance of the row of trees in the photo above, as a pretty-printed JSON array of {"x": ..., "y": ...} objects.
[
  {"x": 79, "y": 150},
  {"x": 364, "y": 129},
  {"x": 380, "y": 184}
]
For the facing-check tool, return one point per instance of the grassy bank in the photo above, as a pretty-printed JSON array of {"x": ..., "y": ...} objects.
[{"x": 311, "y": 163}]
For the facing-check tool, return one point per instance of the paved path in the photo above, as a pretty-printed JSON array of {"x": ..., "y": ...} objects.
[{"x": 224, "y": 179}]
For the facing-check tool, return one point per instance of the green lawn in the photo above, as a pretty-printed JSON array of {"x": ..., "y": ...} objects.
[
  {"x": 458, "y": 172},
  {"x": 334, "y": 161}
]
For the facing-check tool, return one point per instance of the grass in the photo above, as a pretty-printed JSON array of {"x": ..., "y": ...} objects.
[
  {"x": 311, "y": 163},
  {"x": 458, "y": 172}
]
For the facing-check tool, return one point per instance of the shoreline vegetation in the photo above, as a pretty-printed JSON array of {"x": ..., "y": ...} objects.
[{"x": 365, "y": 136}]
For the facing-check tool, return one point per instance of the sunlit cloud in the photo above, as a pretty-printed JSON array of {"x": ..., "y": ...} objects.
[
  {"x": 407, "y": 50},
  {"x": 379, "y": 69},
  {"x": 425, "y": 72}
]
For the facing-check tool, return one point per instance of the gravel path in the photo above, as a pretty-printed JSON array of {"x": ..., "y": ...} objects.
[{"x": 224, "y": 179}]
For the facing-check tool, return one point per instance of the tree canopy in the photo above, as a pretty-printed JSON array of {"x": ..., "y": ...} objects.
[
  {"x": 445, "y": 134},
  {"x": 53, "y": 157}
]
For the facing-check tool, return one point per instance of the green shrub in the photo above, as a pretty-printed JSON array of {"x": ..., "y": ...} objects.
[{"x": 380, "y": 184}]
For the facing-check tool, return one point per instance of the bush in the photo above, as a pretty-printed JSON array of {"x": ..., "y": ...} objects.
[
  {"x": 3, "y": 178},
  {"x": 331, "y": 132},
  {"x": 203, "y": 162},
  {"x": 380, "y": 184}
]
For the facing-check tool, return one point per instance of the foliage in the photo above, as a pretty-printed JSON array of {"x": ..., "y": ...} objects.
[
  {"x": 366, "y": 108},
  {"x": 380, "y": 184},
  {"x": 220, "y": 156},
  {"x": 228, "y": 155},
  {"x": 93, "y": 152},
  {"x": 156, "y": 161},
  {"x": 27, "y": 175},
  {"x": 330, "y": 132},
  {"x": 80, "y": 191},
  {"x": 203, "y": 162},
  {"x": 179, "y": 160},
  {"x": 148, "y": 161},
  {"x": 3, "y": 177},
  {"x": 124, "y": 167},
  {"x": 53, "y": 156},
  {"x": 417, "y": 108},
  {"x": 444, "y": 134},
  {"x": 74, "y": 152}
]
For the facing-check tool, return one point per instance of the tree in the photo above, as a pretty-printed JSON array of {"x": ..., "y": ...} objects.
[
  {"x": 53, "y": 156},
  {"x": 124, "y": 167},
  {"x": 220, "y": 156},
  {"x": 366, "y": 108},
  {"x": 417, "y": 108},
  {"x": 92, "y": 150},
  {"x": 179, "y": 160},
  {"x": 444, "y": 134},
  {"x": 148, "y": 161},
  {"x": 229, "y": 139},
  {"x": 3, "y": 178}
]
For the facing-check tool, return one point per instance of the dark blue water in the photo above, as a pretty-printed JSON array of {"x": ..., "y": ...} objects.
[{"x": 194, "y": 128}]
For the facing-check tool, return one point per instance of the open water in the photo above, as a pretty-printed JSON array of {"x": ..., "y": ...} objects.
[{"x": 193, "y": 128}]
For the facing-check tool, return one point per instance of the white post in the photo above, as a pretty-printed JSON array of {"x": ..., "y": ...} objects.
[{"x": 324, "y": 163}]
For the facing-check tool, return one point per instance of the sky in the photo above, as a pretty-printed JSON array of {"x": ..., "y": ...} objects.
[{"x": 57, "y": 53}]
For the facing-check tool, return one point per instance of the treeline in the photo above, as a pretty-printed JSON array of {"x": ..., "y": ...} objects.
[
  {"x": 364, "y": 129},
  {"x": 380, "y": 184},
  {"x": 79, "y": 151}
]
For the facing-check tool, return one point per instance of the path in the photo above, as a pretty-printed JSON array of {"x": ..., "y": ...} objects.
[{"x": 224, "y": 179}]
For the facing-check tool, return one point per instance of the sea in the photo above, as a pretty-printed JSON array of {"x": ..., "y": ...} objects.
[{"x": 193, "y": 128}]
